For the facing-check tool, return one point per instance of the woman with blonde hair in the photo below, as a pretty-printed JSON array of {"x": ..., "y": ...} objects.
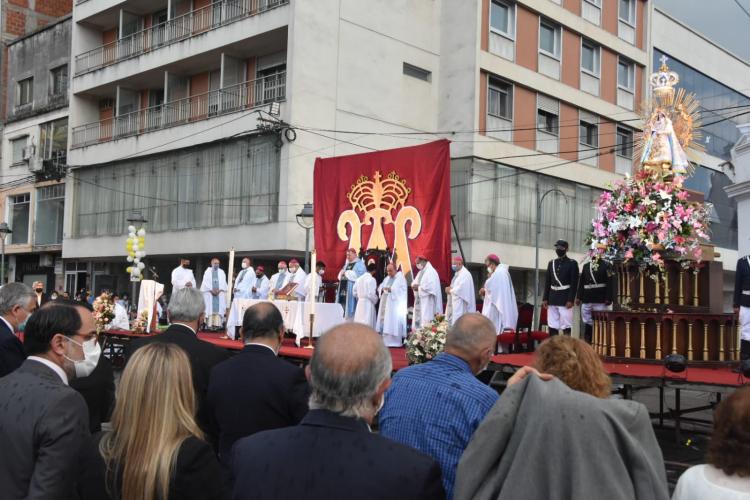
[
  {"x": 575, "y": 363},
  {"x": 155, "y": 450}
]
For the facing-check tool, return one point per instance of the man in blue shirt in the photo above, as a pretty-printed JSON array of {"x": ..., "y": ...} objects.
[{"x": 435, "y": 407}]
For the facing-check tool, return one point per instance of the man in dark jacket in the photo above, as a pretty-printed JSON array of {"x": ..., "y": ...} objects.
[
  {"x": 333, "y": 453},
  {"x": 596, "y": 292},
  {"x": 186, "y": 312},
  {"x": 255, "y": 390},
  {"x": 17, "y": 302},
  {"x": 742, "y": 303},
  {"x": 560, "y": 287}
]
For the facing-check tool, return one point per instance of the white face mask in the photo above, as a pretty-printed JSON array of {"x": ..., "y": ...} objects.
[
  {"x": 245, "y": 265},
  {"x": 91, "y": 352},
  {"x": 489, "y": 270},
  {"x": 282, "y": 270},
  {"x": 322, "y": 272},
  {"x": 293, "y": 269}
]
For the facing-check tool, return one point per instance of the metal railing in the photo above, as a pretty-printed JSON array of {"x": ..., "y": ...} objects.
[
  {"x": 239, "y": 97},
  {"x": 174, "y": 30}
]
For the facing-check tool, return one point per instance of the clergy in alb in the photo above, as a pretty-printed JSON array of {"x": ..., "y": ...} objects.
[
  {"x": 244, "y": 280},
  {"x": 391, "y": 322},
  {"x": 353, "y": 268},
  {"x": 500, "y": 304},
  {"x": 297, "y": 275},
  {"x": 316, "y": 292},
  {"x": 278, "y": 280},
  {"x": 182, "y": 276},
  {"x": 460, "y": 294},
  {"x": 214, "y": 289},
  {"x": 260, "y": 284},
  {"x": 428, "y": 294},
  {"x": 366, "y": 292}
]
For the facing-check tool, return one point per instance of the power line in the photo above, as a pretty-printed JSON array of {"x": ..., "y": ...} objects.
[{"x": 741, "y": 7}]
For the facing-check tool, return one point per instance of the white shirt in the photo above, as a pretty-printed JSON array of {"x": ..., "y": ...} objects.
[
  {"x": 60, "y": 372},
  {"x": 186, "y": 326},
  {"x": 706, "y": 482}
]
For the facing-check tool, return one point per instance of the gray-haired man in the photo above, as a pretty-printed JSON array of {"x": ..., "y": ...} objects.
[
  {"x": 332, "y": 452},
  {"x": 17, "y": 302}
]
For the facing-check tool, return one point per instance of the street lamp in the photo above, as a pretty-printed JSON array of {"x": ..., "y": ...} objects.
[
  {"x": 539, "y": 202},
  {"x": 305, "y": 221},
  {"x": 135, "y": 218},
  {"x": 4, "y": 231}
]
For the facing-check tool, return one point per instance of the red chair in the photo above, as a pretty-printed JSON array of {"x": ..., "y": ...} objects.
[
  {"x": 513, "y": 338},
  {"x": 541, "y": 335}
]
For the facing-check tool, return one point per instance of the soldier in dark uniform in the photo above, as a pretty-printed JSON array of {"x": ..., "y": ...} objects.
[
  {"x": 742, "y": 303},
  {"x": 560, "y": 288},
  {"x": 596, "y": 292}
]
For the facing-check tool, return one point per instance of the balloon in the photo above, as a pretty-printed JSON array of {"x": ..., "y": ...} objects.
[
  {"x": 131, "y": 229},
  {"x": 129, "y": 259},
  {"x": 128, "y": 269},
  {"x": 141, "y": 232},
  {"x": 141, "y": 265},
  {"x": 135, "y": 247}
]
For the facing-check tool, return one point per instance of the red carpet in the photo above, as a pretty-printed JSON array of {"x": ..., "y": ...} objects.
[{"x": 693, "y": 375}]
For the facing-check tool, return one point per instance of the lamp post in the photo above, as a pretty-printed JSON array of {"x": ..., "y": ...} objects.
[
  {"x": 305, "y": 221},
  {"x": 135, "y": 218},
  {"x": 539, "y": 201},
  {"x": 4, "y": 231}
]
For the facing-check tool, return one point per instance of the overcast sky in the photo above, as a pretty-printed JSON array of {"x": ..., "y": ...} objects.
[{"x": 722, "y": 21}]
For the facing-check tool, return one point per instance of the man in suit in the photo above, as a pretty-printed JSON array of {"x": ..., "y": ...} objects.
[
  {"x": 43, "y": 422},
  {"x": 17, "y": 302},
  {"x": 186, "y": 313},
  {"x": 255, "y": 390},
  {"x": 39, "y": 295},
  {"x": 332, "y": 453}
]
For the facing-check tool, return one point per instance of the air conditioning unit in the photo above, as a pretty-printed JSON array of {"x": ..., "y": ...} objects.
[
  {"x": 36, "y": 164},
  {"x": 46, "y": 260},
  {"x": 28, "y": 152}
]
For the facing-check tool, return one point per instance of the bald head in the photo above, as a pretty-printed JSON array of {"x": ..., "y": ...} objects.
[
  {"x": 349, "y": 371},
  {"x": 472, "y": 338}
]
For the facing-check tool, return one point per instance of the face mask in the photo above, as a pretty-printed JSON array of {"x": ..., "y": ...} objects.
[
  {"x": 22, "y": 325},
  {"x": 454, "y": 267},
  {"x": 282, "y": 270},
  {"x": 420, "y": 266},
  {"x": 489, "y": 270},
  {"x": 53, "y": 296},
  {"x": 39, "y": 290},
  {"x": 215, "y": 266},
  {"x": 560, "y": 252},
  {"x": 245, "y": 265},
  {"x": 321, "y": 272},
  {"x": 91, "y": 353},
  {"x": 293, "y": 269}
]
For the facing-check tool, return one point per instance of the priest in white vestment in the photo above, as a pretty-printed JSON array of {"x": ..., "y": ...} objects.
[
  {"x": 244, "y": 280},
  {"x": 315, "y": 294},
  {"x": 259, "y": 284},
  {"x": 182, "y": 276},
  {"x": 500, "y": 304},
  {"x": 461, "y": 297},
  {"x": 214, "y": 288},
  {"x": 120, "y": 321},
  {"x": 366, "y": 292},
  {"x": 428, "y": 294},
  {"x": 391, "y": 322},
  {"x": 278, "y": 280},
  {"x": 297, "y": 275}
]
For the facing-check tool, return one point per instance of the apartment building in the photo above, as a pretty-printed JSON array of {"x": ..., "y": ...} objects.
[
  {"x": 34, "y": 150},
  {"x": 166, "y": 98}
]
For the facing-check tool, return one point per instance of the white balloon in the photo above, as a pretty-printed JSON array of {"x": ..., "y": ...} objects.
[
  {"x": 137, "y": 259},
  {"x": 130, "y": 259},
  {"x": 131, "y": 236},
  {"x": 135, "y": 247},
  {"x": 141, "y": 265},
  {"x": 131, "y": 229},
  {"x": 141, "y": 232}
]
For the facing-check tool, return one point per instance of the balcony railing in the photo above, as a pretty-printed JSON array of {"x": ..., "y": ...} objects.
[
  {"x": 174, "y": 30},
  {"x": 243, "y": 96}
]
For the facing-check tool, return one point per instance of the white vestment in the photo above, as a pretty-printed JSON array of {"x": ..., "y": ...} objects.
[
  {"x": 462, "y": 298},
  {"x": 500, "y": 305},
  {"x": 120, "y": 321},
  {"x": 304, "y": 291},
  {"x": 299, "y": 278},
  {"x": 429, "y": 295},
  {"x": 278, "y": 281},
  {"x": 181, "y": 277},
  {"x": 261, "y": 286},
  {"x": 207, "y": 286},
  {"x": 366, "y": 291},
  {"x": 148, "y": 298},
  {"x": 243, "y": 282},
  {"x": 391, "y": 322}
]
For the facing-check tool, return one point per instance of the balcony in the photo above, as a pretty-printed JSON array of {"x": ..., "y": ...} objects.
[
  {"x": 180, "y": 28},
  {"x": 242, "y": 96}
]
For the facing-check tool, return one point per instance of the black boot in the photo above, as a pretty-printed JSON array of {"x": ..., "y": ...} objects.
[
  {"x": 552, "y": 332},
  {"x": 566, "y": 332},
  {"x": 588, "y": 333}
]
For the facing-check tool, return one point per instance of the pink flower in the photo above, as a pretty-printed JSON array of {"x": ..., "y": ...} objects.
[
  {"x": 682, "y": 195},
  {"x": 629, "y": 254}
]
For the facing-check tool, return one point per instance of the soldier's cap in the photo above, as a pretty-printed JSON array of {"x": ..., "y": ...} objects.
[{"x": 561, "y": 244}]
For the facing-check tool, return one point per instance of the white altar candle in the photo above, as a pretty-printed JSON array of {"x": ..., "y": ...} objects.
[
  {"x": 313, "y": 282},
  {"x": 229, "y": 277}
]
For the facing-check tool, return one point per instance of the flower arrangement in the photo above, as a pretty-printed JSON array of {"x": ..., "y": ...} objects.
[
  {"x": 140, "y": 323},
  {"x": 647, "y": 218},
  {"x": 104, "y": 311},
  {"x": 427, "y": 342}
]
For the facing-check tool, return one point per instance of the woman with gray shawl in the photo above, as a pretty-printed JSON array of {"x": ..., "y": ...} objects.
[{"x": 547, "y": 441}]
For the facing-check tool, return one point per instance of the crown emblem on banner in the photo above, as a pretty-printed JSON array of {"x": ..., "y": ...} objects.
[{"x": 375, "y": 203}]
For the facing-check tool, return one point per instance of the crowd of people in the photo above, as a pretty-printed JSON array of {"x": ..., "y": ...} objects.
[{"x": 192, "y": 422}]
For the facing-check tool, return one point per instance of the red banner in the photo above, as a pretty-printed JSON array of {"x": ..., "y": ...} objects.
[{"x": 398, "y": 199}]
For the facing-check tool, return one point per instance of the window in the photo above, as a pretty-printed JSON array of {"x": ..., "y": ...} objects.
[
  {"x": 589, "y": 134},
  {"x": 500, "y": 99},
  {"x": 18, "y": 148},
  {"x": 597, "y": 3},
  {"x": 590, "y": 57},
  {"x": 627, "y": 11},
  {"x": 624, "y": 143},
  {"x": 25, "y": 94},
  {"x": 502, "y": 18},
  {"x": 549, "y": 39},
  {"x": 59, "y": 80},
  {"x": 625, "y": 74},
  {"x": 546, "y": 122},
  {"x": 19, "y": 218},
  {"x": 50, "y": 211},
  {"x": 417, "y": 72},
  {"x": 591, "y": 10},
  {"x": 53, "y": 139}
]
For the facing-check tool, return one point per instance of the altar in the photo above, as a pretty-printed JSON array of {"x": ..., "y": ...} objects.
[{"x": 296, "y": 316}]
